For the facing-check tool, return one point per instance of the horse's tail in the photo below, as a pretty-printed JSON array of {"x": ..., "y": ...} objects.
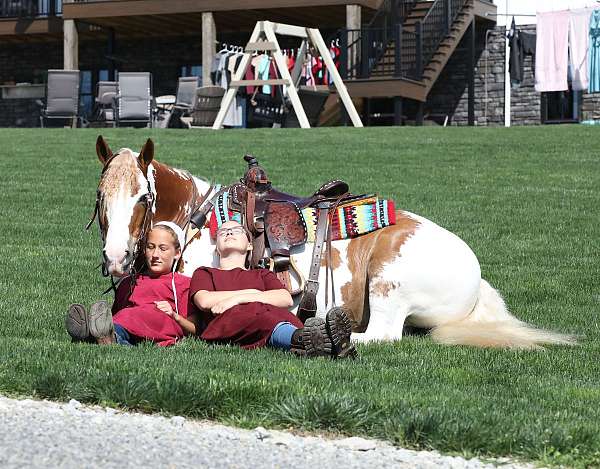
[{"x": 491, "y": 325}]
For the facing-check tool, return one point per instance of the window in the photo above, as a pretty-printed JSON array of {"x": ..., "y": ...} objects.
[
  {"x": 191, "y": 71},
  {"x": 87, "y": 90},
  {"x": 86, "y": 94},
  {"x": 561, "y": 107}
]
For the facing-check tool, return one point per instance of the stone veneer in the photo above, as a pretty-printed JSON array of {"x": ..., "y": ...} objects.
[{"x": 449, "y": 95}]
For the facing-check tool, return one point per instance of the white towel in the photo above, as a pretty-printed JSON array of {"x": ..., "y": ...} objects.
[
  {"x": 551, "y": 51},
  {"x": 579, "y": 41}
]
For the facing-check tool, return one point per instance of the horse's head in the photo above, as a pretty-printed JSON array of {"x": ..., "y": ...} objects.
[{"x": 124, "y": 204}]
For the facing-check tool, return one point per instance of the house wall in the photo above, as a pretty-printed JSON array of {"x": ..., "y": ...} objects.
[{"x": 449, "y": 95}]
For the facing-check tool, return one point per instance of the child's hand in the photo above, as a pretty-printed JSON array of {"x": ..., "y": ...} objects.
[
  {"x": 224, "y": 305},
  {"x": 166, "y": 308}
]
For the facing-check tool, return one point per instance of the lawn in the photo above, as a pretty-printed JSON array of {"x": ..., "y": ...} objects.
[{"x": 525, "y": 199}]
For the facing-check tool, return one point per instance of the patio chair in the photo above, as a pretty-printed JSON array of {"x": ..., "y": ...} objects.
[
  {"x": 62, "y": 96},
  {"x": 134, "y": 100},
  {"x": 313, "y": 102},
  {"x": 184, "y": 101},
  {"x": 105, "y": 101},
  {"x": 206, "y": 107}
]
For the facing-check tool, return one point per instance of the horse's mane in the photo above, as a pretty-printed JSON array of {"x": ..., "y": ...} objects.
[{"x": 122, "y": 169}]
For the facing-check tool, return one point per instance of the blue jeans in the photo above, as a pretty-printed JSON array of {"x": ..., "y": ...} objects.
[
  {"x": 123, "y": 336},
  {"x": 281, "y": 337}
]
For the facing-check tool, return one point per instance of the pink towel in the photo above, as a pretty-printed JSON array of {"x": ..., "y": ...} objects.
[
  {"x": 579, "y": 40},
  {"x": 551, "y": 51}
]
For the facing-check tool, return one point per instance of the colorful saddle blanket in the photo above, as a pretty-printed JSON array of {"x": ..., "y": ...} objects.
[{"x": 348, "y": 221}]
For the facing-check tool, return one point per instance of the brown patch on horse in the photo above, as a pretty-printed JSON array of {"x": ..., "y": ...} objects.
[
  {"x": 171, "y": 189},
  {"x": 383, "y": 288},
  {"x": 336, "y": 259},
  {"x": 366, "y": 256},
  {"x": 122, "y": 168}
]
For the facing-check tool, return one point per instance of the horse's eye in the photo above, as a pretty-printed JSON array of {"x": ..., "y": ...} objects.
[{"x": 142, "y": 199}]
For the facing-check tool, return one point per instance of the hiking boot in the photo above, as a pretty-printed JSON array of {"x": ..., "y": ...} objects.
[
  {"x": 76, "y": 323},
  {"x": 339, "y": 329},
  {"x": 100, "y": 323},
  {"x": 312, "y": 340}
]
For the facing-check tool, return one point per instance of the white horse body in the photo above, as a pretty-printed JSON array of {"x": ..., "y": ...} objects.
[
  {"x": 421, "y": 274},
  {"x": 435, "y": 279}
]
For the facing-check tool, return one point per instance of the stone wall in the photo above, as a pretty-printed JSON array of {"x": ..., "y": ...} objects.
[{"x": 449, "y": 95}]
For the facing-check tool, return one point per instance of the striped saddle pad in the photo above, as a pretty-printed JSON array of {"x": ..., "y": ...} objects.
[{"x": 348, "y": 220}]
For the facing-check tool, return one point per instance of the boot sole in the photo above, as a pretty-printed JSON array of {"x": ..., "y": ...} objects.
[
  {"x": 316, "y": 340},
  {"x": 100, "y": 320},
  {"x": 76, "y": 322},
  {"x": 339, "y": 329}
]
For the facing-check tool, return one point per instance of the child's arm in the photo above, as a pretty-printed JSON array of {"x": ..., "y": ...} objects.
[
  {"x": 205, "y": 299},
  {"x": 187, "y": 324},
  {"x": 280, "y": 297}
]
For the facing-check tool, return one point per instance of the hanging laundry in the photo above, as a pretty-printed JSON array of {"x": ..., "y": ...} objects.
[
  {"x": 521, "y": 44},
  {"x": 594, "y": 53},
  {"x": 263, "y": 72},
  {"x": 579, "y": 41},
  {"x": 551, "y": 58}
]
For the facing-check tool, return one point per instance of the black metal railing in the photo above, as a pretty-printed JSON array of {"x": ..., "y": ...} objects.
[
  {"x": 437, "y": 25},
  {"x": 363, "y": 50},
  {"x": 385, "y": 48},
  {"x": 29, "y": 8}
]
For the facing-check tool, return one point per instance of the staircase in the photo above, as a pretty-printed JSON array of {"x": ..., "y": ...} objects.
[{"x": 405, "y": 48}]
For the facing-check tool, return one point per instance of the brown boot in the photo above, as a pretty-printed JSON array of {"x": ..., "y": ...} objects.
[
  {"x": 100, "y": 323},
  {"x": 312, "y": 340},
  {"x": 339, "y": 329},
  {"x": 76, "y": 323}
]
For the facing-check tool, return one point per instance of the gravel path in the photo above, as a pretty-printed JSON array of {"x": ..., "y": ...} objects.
[{"x": 49, "y": 435}]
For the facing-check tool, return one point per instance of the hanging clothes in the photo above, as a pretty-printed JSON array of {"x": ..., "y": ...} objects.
[
  {"x": 521, "y": 44},
  {"x": 262, "y": 72},
  {"x": 594, "y": 53},
  {"x": 551, "y": 58},
  {"x": 579, "y": 40}
]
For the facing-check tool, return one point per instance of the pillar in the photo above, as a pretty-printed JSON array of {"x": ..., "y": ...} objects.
[
  {"x": 70, "y": 46},
  {"x": 353, "y": 22},
  {"x": 209, "y": 37}
]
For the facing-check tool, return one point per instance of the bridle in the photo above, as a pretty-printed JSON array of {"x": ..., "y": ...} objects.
[{"x": 148, "y": 200}]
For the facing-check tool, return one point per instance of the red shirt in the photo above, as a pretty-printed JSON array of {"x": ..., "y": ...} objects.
[
  {"x": 139, "y": 315},
  {"x": 248, "y": 325}
]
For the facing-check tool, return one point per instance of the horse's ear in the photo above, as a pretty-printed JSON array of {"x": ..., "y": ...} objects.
[
  {"x": 147, "y": 154},
  {"x": 103, "y": 150}
]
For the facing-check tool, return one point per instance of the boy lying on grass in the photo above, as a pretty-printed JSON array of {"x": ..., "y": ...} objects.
[
  {"x": 248, "y": 308},
  {"x": 139, "y": 309}
]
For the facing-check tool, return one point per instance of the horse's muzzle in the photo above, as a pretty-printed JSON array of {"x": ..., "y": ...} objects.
[{"x": 117, "y": 267}]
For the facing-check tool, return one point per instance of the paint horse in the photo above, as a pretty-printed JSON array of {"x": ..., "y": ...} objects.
[{"x": 412, "y": 273}]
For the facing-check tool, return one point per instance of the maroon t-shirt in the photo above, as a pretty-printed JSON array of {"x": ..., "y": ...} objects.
[
  {"x": 138, "y": 313},
  {"x": 248, "y": 325}
]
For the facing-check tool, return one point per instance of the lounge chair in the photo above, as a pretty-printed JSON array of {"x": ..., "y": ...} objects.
[
  {"x": 134, "y": 101},
  {"x": 184, "y": 102},
  {"x": 62, "y": 96},
  {"x": 105, "y": 101},
  {"x": 206, "y": 107}
]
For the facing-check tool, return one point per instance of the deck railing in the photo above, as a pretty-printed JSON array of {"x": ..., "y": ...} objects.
[{"x": 29, "y": 8}]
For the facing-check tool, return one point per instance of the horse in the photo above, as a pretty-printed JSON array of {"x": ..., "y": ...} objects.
[{"x": 413, "y": 273}]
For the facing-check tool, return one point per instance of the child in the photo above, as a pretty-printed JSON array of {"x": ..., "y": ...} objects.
[
  {"x": 249, "y": 307},
  {"x": 138, "y": 313}
]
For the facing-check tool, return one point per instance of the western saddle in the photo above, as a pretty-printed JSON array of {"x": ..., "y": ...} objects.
[{"x": 274, "y": 219}]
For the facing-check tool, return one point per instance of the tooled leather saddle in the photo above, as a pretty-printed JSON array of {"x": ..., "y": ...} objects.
[{"x": 275, "y": 220}]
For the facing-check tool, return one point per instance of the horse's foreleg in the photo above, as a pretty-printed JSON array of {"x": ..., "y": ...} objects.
[{"x": 387, "y": 313}]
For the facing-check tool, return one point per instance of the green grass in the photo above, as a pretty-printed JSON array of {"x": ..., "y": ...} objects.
[{"x": 525, "y": 200}]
